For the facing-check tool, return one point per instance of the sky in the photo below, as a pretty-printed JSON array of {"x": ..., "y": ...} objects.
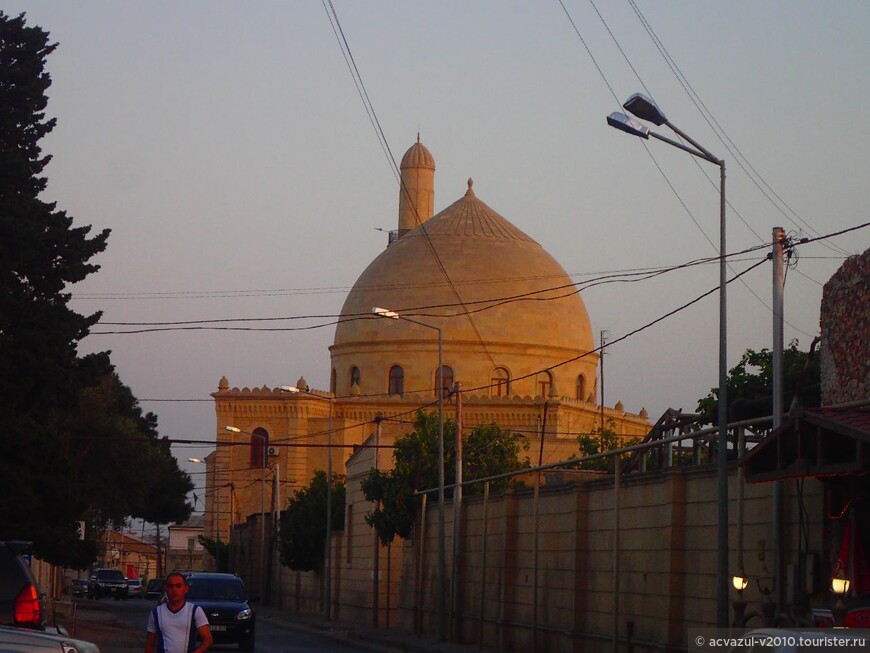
[{"x": 228, "y": 149}]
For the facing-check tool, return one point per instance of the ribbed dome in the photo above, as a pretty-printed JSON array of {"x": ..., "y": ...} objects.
[
  {"x": 418, "y": 156},
  {"x": 488, "y": 260}
]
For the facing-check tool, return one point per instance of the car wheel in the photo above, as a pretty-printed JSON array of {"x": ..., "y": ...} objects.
[{"x": 247, "y": 643}]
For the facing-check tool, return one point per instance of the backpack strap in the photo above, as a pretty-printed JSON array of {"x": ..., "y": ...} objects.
[
  {"x": 161, "y": 646},
  {"x": 193, "y": 636}
]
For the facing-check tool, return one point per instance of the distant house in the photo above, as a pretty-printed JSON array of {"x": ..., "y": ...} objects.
[
  {"x": 184, "y": 550},
  {"x": 134, "y": 557}
]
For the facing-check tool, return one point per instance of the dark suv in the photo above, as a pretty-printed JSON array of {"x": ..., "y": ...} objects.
[
  {"x": 22, "y": 602},
  {"x": 108, "y": 582},
  {"x": 225, "y": 602}
]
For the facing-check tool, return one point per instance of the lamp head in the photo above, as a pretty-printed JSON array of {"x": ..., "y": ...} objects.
[
  {"x": 630, "y": 126},
  {"x": 644, "y": 108},
  {"x": 195, "y": 460},
  {"x": 840, "y": 586},
  {"x": 385, "y": 312},
  {"x": 289, "y": 388},
  {"x": 739, "y": 582},
  {"x": 232, "y": 429}
]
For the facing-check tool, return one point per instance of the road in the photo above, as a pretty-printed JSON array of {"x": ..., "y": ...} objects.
[{"x": 119, "y": 627}]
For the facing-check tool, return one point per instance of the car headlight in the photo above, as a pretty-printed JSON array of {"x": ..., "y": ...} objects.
[{"x": 244, "y": 614}]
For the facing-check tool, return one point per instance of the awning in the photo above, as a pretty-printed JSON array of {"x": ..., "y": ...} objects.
[{"x": 813, "y": 442}]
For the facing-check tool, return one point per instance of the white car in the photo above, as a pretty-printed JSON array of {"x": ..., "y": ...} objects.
[{"x": 24, "y": 640}]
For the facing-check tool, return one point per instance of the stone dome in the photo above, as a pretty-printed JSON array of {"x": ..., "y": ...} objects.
[{"x": 489, "y": 261}]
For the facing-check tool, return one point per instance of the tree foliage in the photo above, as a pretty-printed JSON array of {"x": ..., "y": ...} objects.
[
  {"x": 72, "y": 431},
  {"x": 218, "y": 550},
  {"x": 600, "y": 440},
  {"x": 750, "y": 384},
  {"x": 487, "y": 450},
  {"x": 302, "y": 533}
]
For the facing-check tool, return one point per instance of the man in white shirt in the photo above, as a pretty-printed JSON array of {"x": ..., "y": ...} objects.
[{"x": 177, "y": 626}]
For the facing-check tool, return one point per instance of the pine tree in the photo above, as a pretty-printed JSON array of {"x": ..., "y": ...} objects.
[{"x": 41, "y": 252}]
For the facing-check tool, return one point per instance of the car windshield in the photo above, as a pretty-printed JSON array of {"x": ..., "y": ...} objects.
[
  {"x": 216, "y": 589},
  {"x": 110, "y": 574}
]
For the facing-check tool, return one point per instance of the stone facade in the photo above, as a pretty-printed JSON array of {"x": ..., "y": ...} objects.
[{"x": 845, "y": 324}]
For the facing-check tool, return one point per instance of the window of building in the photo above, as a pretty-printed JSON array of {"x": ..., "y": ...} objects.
[
  {"x": 581, "y": 387},
  {"x": 545, "y": 381},
  {"x": 397, "y": 380},
  {"x": 447, "y": 373},
  {"x": 259, "y": 442},
  {"x": 332, "y": 381},
  {"x": 354, "y": 376},
  {"x": 500, "y": 383}
]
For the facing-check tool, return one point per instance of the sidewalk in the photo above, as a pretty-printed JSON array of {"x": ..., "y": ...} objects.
[{"x": 388, "y": 640}]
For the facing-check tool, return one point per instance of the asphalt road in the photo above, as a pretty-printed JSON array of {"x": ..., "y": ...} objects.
[{"x": 119, "y": 627}]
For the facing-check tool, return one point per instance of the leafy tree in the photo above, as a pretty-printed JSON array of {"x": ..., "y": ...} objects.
[
  {"x": 301, "y": 537},
  {"x": 750, "y": 384},
  {"x": 599, "y": 441},
  {"x": 218, "y": 550},
  {"x": 488, "y": 450},
  {"x": 51, "y": 398}
]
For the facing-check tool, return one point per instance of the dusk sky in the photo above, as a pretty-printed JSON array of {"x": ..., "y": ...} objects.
[{"x": 227, "y": 147}]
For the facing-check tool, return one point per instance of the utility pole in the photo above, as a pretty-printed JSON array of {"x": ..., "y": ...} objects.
[
  {"x": 376, "y": 562},
  {"x": 777, "y": 376},
  {"x": 457, "y": 512},
  {"x": 601, "y": 360}
]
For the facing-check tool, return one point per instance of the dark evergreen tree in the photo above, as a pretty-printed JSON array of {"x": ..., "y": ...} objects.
[{"x": 50, "y": 398}]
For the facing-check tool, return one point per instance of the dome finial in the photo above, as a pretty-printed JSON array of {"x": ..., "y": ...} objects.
[
  {"x": 418, "y": 135},
  {"x": 470, "y": 191}
]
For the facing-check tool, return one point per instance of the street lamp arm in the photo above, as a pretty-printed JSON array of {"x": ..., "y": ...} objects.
[{"x": 700, "y": 152}]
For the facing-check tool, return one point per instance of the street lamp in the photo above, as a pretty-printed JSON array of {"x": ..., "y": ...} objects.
[
  {"x": 233, "y": 429},
  {"x": 217, "y": 514},
  {"x": 327, "y": 553},
  {"x": 646, "y": 109},
  {"x": 442, "y": 559}
]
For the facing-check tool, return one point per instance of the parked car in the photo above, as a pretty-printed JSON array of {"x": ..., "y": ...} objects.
[
  {"x": 79, "y": 587},
  {"x": 22, "y": 602},
  {"x": 154, "y": 589},
  {"x": 134, "y": 588},
  {"x": 23, "y": 640},
  {"x": 227, "y": 607},
  {"x": 107, "y": 582}
]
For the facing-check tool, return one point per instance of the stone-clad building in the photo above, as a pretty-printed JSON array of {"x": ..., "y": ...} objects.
[{"x": 515, "y": 334}]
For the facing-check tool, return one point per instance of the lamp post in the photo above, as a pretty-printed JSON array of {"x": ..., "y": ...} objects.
[
  {"x": 327, "y": 547},
  {"x": 442, "y": 556},
  {"x": 233, "y": 429},
  {"x": 646, "y": 109},
  {"x": 216, "y": 494}
]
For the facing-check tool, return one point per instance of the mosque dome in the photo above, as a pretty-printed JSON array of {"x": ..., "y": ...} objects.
[{"x": 506, "y": 309}]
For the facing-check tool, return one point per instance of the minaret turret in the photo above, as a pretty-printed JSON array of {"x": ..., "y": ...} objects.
[{"x": 417, "y": 191}]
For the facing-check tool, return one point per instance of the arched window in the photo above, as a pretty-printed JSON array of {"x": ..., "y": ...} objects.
[
  {"x": 581, "y": 387},
  {"x": 332, "y": 381},
  {"x": 354, "y": 376},
  {"x": 447, "y": 385},
  {"x": 397, "y": 380},
  {"x": 259, "y": 443},
  {"x": 545, "y": 382},
  {"x": 500, "y": 383}
]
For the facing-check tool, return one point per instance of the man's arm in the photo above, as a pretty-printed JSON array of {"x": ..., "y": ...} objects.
[
  {"x": 204, "y": 633},
  {"x": 151, "y": 642}
]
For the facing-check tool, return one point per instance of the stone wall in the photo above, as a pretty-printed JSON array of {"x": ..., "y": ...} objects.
[{"x": 845, "y": 324}]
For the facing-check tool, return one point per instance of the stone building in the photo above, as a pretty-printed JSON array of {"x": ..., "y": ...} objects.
[{"x": 514, "y": 331}]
